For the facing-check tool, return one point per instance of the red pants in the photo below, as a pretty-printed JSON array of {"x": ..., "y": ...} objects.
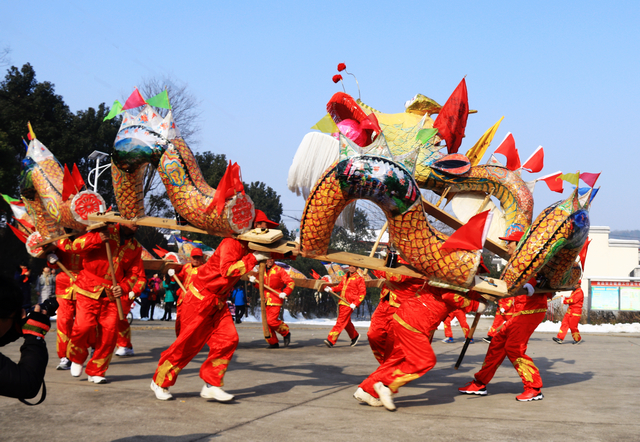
[
  {"x": 462, "y": 319},
  {"x": 412, "y": 357},
  {"x": 498, "y": 320},
  {"x": 343, "y": 323},
  {"x": 203, "y": 321},
  {"x": 380, "y": 332},
  {"x": 511, "y": 341},
  {"x": 64, "y": 324},
  {"x": 124, "y": 330},
  {"x": 570, "y": 321},
  {"x": 90, "y": 313},
  {"x": 275, "y": 324}
]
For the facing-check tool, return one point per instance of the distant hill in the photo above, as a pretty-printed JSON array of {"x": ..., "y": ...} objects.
[{"x": 625, "y": 234}]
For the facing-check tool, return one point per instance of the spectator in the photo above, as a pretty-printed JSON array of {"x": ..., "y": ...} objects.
[
  {"x": 144, "y": 303},
  {"x": 45, "y": 285},
  {"x": 155, "y": 286},
  {"x": 23, "y": 279},
  {"x": 170, "y": 292},
  {"x": 239, "y": 299}
]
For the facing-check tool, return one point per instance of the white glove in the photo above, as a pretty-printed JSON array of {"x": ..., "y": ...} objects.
[
  {"x": 481, "y": 307},
  {"x": 229, "y": 302},
  {"x": 171, "y": 273},
  {"x": 253, "y": 279},
  {"x": 567, "y": 295},
  {"x": 353, "y": 306},
  {"x": 502, "y": 310},
  {"x": 282, "y": 295},
  {"x": 132, "y": 295},
  {"x": 328, "y": 289},
  {"x": 262, "y": 256},
  {"x": 52, "y": 258},
  {"x": 529, "y": 288}
]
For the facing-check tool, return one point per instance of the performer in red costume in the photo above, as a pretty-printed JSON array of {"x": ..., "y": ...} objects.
[
  {"x": 125, "y": 347},
  {"x": 186, "y": 275},
  {"x": 504, "y": 311},
  {"x": 66, "y": 298},
  {"x": 278, "y": 279},
  {"x": 206, "y": 319},
  {"x": 511, "y": 341},
  {"x": 412, "y": 355},
  {"x": 352, "y": 290},
  {"x": 462, "y": 319},
  {"x": 95, "y": 304},
  {"x": 574, "y": 300},
  {"x": 396, "y": 289}
]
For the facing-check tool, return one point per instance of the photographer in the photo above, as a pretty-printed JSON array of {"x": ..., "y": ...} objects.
[{"x": 21, "y": 380}]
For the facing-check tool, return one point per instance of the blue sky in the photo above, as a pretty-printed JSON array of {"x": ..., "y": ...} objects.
[{"x": 563, "y": 74}]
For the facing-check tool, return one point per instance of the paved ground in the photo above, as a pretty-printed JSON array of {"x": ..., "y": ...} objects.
[{"x": 304, "y": 393}]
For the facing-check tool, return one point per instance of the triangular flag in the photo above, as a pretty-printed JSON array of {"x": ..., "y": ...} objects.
[
  {"x": 68, "y": 185},
  {"x": 77, "y": 178},
  {"x": 472, "y": 235},
  {"x": 134, "y": 100},
  {"x": 508, "y": 149},
  {"x": 161, "y": 100},
  {"x": 425, "y": 135},
  {"x": 590, "y": 178},
  {"x": 26, "y": 224},
  {"x": 315, "y": 274},
  {"x": 452, "y": 119},
  {"x": 476, "y": 153},
  {"x": 583, "y": 253},
  {"x": 21, "y": 235},
  {"x": 26, "y": 145},
  {"x": 229, "y": 184},
  {"x": 31, "y": 135},
  {"x": 594, "y": 192},
  {"x": 115, "y": 110},
  {"x": 535, "y": 162},
  {"x": 493, "y": 161},
  {"x": 10, "y": 200},
  {"x": 326, "y": 125},
  {"x": 553, "y": 181},
  {"x": 571, "y": 178}
]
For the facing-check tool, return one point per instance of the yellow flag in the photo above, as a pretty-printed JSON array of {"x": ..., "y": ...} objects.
[
  {"x": 476, "y": 153},
  {"x": 571, "y": 178},
  {"x": 326, "y": 125},
  {"x": 32, "y": 134}
]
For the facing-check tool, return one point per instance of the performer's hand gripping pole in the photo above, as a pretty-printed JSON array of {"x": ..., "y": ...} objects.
[
  {"x": 53, "y": 259},
  {"x": 113, "y": 279},
  {"x": 172, "y": 273}
]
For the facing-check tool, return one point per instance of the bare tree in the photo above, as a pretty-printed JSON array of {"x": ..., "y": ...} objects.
[{"x": 4, "y": 56}]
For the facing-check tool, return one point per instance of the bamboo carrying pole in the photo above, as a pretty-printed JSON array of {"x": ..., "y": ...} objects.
[
  {"x": 263, "y": 307},
  {"x": 65, "y": 270},
  {"x": 176, "y": 279},
  {"x": 113, "y": 279},
  {"x": 468, "y": 340}
]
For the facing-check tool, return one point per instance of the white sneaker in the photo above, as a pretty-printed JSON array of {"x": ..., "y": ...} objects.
[
  {"x": 76, "y": 369},
  {"x": 365, "y": 397},
  {"x": 125, "y": 351},
  {"x": 386, "y": 397},
  {"x": 161, "y": 393},
  {"x": 97, "y": 379},
  {"x": 217, "y": 393},
  {"x": 65, "y": 364}
]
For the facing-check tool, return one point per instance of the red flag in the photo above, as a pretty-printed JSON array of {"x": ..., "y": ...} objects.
[
  {"x": 315, "y": 274},
  {"x": 452, "y": 119},
  {"x": 472, "y": 235},
  {"x": 21, "y": 235},
  {"x": 77, "y": 178},
  {"x": 27, "y": 225},
  {"x": 229, "y": 184},
  {"x": 590, "y": 178},
  {"x": 583, "y": 253},
  {"x": 535, "y": 162},
  {"x": 160, "y": 251},
  {"x": 134, "y": 100},
  {"x": 508, "y": 149},
  {"x": 554, "y": 182},
  {"x": 68, "y": 185}
]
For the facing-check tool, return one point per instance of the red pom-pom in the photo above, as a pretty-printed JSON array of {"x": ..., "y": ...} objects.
[
  {"x": 341, "y": 67},
  {"x": 337, "y": 78}
]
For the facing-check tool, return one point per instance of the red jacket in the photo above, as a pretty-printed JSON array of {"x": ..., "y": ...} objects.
[
  {"x": 220, "y": 273},
  {"x": 278, "y": 279},
  {"x": 398, "y": 287},
  {"x": 72, "y": 262},
  {"x": 185, "y": 276},
  {"x": 351, "y": 288},
  {"x": 95, "y": 277},
  {"x": 575, "y": 301}
]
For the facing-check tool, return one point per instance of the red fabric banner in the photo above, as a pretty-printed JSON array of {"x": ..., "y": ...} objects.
[{"x": 452, "y": 119}]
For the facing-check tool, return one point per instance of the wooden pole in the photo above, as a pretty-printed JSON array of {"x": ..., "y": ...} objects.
[
  {"x": 113, "y": 279},
  {"x": 65, "y": 270},
  {"x": 176, "y": 279},
  {"x": 468, "y": 340},
  {"x": 444, "y": 194},
  {"x": 263, "y": 305},
  {"x": 375, "y": 245}
]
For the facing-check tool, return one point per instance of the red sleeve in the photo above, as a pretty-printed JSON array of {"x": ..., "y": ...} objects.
[
  {"x": 87, "y": 242},
  {"x": 134, "y": 278},
  {"x": 288, "y": 281},
  {"x": 230, "y": 265}
]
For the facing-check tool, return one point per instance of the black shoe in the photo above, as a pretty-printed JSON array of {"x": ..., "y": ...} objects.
[
  {"x": 287, "y": 340},
  {"x": 276, "y": 345},
  {"x": 558, "y": 340},
  {"x": 327, "y": 343},
  {"x": 488, "y": 339},
  {"x": 577, "y": 342},
  {"x": 354, "y": 341}
]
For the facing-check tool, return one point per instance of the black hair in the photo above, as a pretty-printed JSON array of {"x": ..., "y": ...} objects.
[{"x": 10, "y": 298}]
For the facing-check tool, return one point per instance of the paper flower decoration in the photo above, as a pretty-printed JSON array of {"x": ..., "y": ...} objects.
[
  {"x": 341, "y": 67},
  {"x": 337, "y": 78}
]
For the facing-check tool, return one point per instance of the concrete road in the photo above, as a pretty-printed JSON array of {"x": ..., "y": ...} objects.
[{"x": 304, "y": 392}]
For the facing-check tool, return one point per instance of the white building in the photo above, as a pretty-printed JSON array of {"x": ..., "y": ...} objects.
[{"x": 610, "y": 258}]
